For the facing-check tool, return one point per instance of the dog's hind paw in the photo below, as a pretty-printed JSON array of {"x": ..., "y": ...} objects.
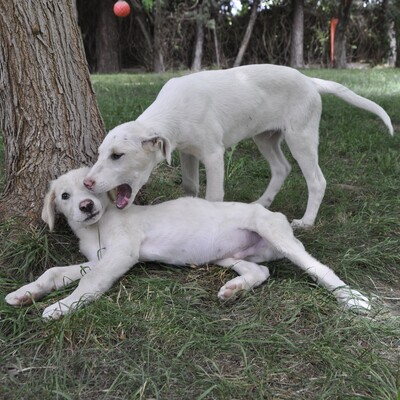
[
  {"x": 353, "y": 300},
  {"x": 21, "y": 297},
  {"x": 358, "y": 306},
  {"x": 27, "y": 294}
]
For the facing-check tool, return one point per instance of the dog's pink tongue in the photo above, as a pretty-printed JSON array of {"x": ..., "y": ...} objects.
[{"x": 123, "y": 195}]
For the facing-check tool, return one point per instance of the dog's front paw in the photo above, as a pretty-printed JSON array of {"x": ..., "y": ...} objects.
[
  {"x": 23, "y": 296},
  {"x": 353, "y": 300},
  {"x": 233, "y": 288},
  {"x": 55, "y": 311}
]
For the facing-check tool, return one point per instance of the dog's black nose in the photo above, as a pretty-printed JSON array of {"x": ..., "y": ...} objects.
[{"x": 86, "y": 206}]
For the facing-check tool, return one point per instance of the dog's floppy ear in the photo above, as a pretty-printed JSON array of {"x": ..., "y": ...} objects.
[
  {"x": 159, "y": 143},
  {"x": 49, "y": 209}
]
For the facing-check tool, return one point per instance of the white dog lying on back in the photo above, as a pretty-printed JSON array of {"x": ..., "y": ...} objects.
[
  {"x": 204, "y": 113},
  {"x": 180, "y": 232}
]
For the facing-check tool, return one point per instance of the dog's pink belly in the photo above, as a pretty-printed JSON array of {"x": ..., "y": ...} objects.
[{"x": 196, "y": 248}]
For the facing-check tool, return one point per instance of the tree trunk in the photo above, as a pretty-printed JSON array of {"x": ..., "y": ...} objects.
[
  {"x": 339, "y": 60},
  {"x": 107, "y": 39},
  {"x": 140, "y": 18},
  {"x": 48, "y": 111},
  {"x": 247, "y": 35},
  {"x": 216, "y": 46},
  {"x": 397, "y": 39},
  {"x": 297, "y": 35},
  {"x": 158, "y": 56},
  {"x": 198, "y": 52},
  {"x": 143, "y": 19},
  {"x": 388, "y": 34},
  {"x": 392, "y": 56},
  {"x": 213, "y": 23}
]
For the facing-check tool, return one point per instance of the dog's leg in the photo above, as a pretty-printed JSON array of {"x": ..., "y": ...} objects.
[
  {"x": 326, "y": 277},
  {"x": 52, "y": 279},
  {"x": 214, "y": 165},
  {"x": 316, "y": 185},
  {"x": 275, "y": 228},
  {"x": 190, "y": 174},
  {"x": 112, "y": 266},
  {"x": 251, "y": 275},
  {"x": 304, "y": 149},
  {"x": 269, "y": 145}
]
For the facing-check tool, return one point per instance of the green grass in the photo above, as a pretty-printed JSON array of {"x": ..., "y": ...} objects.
[{"x": 161, "y": 333}]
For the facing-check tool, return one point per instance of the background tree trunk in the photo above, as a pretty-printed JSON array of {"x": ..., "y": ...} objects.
[
  {"x": 198, "y": 51},
  {"x": 397, "y": 42},
  {"x": 216, "y": 45},
  {"x": 48, "y": 111},
  {"x": 339, "y": 60},
  {"x": 158, "y": 55},
  {"x": 107, "y": 39},
  {"x": 247, "y": 35},
  {"x": 387, "y": 33},
  {"x": 297, "y": 35},
  {"x": 141, "y": 19}
]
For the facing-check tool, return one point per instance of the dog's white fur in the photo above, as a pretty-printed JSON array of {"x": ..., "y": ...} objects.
[
  {"x": 204, "y": 113},
  {"x": 180, "y": 232}
]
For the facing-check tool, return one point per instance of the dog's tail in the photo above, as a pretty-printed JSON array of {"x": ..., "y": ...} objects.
[{"x": 350, "y": 97}]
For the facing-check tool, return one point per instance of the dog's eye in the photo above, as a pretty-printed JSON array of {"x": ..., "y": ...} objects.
[
  {"x": 116, "y": 156},
  {"x": 65, "y": 196}
]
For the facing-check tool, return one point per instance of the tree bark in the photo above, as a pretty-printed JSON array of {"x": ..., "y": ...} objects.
[
  {"x": 107, "y": 39},
  {"x": 247, "y": 35},
  {"x": 48, "y": 112},
  {"x": 392, "y": 56},
  {"x": 158, "y": 55},
  {"x": 397, "y": 39},
  {"x": 198, "y": 52},
  {"x": 339, "y": 60},
  {"x": 140, "y": 18},
  {"x": 216, "y": 46},
  {"x": 297, "y": 35},
  {"x": 388, "y": 34}
]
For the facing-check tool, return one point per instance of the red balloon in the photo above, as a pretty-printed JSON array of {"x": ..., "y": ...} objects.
[{"x": 122, "y": 8}]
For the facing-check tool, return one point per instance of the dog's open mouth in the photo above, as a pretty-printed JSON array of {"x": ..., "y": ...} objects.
[{"x": 124, "y": 193}]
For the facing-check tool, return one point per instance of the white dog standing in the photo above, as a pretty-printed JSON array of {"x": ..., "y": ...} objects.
[
  {"x": 180, "y": 232},
  {"x": 204, "y": 113}
]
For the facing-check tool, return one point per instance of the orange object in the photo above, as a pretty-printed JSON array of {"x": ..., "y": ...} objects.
[
  {"x": 122, "y": 8},
  {"x": 334, "y": 22}
]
